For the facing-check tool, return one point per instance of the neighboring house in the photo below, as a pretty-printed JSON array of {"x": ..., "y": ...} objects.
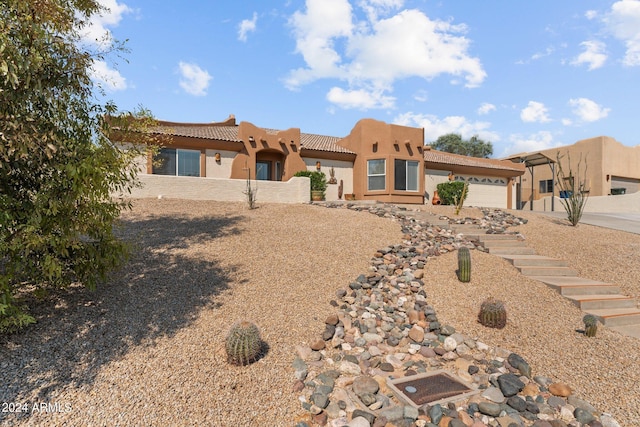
[
  {"x": 609, "y": 168},
  {"x": 376, "y": 161}
]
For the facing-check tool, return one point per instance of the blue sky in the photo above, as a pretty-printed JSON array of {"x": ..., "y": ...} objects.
[{"x": 523, "y": 75}]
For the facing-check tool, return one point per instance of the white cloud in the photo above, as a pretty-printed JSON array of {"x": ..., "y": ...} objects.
[
  {"x": 587, "y": 110},
  {"x": 374, "y": 53},
  {"x": 435, "y": 127},
  {"x": 194, "y": 80},
  {"x": 623, "y": 21},
  {"x": 486, "y": 108},
  {"x": 593, "y": 54},
  {"x": 590, "y": 14},
  {"x": 107, "y": 77},
  {"x": 97, "y": 33},
  {"x": 375, "y": 8},
  {"x": 421, "y": 95},
  {"x": 535, "y": 112},
  {"x": 359, "y": 99},
  {"x": 247, "y": 26},
  {"x": 523, "y": 144}
]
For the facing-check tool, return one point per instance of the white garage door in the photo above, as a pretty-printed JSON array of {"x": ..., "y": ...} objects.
[{"x": 486, "y": 191}]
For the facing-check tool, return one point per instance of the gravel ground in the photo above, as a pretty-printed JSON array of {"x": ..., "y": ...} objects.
[{"x": 147, "y": 348}]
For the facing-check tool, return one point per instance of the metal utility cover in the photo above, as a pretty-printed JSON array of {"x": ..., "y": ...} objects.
[{"x": 431, "y": 387}]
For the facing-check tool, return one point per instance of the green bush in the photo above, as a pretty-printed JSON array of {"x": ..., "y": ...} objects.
[
  {"x": 318, "y": 180},
  {"x": 451, "y": 191}
]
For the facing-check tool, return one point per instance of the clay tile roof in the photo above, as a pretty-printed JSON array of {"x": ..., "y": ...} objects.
[
  {"x": 442, "y": 157},
  {"x": 221, "y": 133},
  {"x": 230, "y": 133},
  {"x": 322, "y": 143}
]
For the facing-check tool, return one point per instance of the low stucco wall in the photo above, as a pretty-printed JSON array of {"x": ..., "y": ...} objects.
[
  {"x": 624, "y": 203},
  {"x": 296, "y": 190}
]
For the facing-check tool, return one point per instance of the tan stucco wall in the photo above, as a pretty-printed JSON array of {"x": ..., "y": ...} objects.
[
  {"x": 221, "y": 169},
  {"x": 296, "y": 190},
  {"x": 373, "y": 139},
  {"x": 627, "y": 203},
  {"x": 283, "y": 145},
  {"x": 432, "y": 178},
  {"x": 343, "y": 171},
  {"x": 601, "y": 155}
]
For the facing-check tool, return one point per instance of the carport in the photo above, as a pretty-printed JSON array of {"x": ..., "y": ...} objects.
[{"x": 532, "y": 160}]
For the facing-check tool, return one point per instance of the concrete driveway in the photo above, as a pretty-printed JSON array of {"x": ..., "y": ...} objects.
[{"x": 629, "y": 222}]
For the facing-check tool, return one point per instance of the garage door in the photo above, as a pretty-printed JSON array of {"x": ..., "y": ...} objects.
[{"x": 486, "y": 191}]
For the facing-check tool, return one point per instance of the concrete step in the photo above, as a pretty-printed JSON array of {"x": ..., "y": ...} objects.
[
  {"x": 567, "y": 285},
  {"x": 617, "y": 316},
  {"x": 519, "y": 250},
  {"x": 599, "y": 302},
  {"x": 503, "y": 243},
  {"x": 484, "y": 237},
  {"x": 629, "y": 330},
  {"x": 547, "y": 271},
  {"x": 534, "y": 260}
]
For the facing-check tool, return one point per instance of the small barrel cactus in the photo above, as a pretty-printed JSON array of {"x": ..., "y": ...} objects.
[
  {"x": 464, "y": 264},
  {"x": 590, "y": 325},
  {"x": 243, "y": 343},
  {"x": 493, "y": 314}
]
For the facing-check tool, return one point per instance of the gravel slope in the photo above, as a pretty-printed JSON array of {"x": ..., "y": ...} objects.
[{"x": 147, "y": 348}]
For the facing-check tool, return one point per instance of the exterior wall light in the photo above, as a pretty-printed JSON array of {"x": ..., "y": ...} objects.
[
  {"x": 318, "y": 165},
  {"x": 251, "y": 139},
  {"x": 217, "y": 157}
]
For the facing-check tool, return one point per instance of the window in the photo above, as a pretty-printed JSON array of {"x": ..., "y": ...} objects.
[
  {"x": 376, "y": 175},
  {"x": 172, "y": 161},
  {"x": 406, "y": 175},
  {"x": 546, "y": 186}
]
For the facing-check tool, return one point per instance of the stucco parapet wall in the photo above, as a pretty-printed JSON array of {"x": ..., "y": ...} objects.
[{"x": 296, "y": 190}]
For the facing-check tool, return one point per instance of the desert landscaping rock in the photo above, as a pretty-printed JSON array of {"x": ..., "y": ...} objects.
[{"x": 150, "y": 344}]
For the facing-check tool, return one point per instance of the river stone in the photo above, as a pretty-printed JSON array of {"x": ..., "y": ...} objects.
[
  {"x": 608, "y": 421},
  {"x": 450, "y": 344},
  {"x": 300, "y": 368},
  {"x": 579, "y": 403},
  {"x": 349, "y": 368},
  {"x": 560, "y": 389},
  {"x": 365, "y": 384},
  {"x": 320, "y": 400},
  {"x": 394, "y": 413},
  {"x": 493, "y": 394},
  {"x": 583, "y": 416},
  {"x": 517, "y": 403},
  {"x": 510, "y": 384},
  {"x": 359, "y": 421},
  {"x": 488, "y": 408},
  {"x": 520, "y": 364},
  {"x": 435, "y": 413}
]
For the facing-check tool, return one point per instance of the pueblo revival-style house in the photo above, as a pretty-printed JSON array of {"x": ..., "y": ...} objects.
[{"x": 376, "y": 161}]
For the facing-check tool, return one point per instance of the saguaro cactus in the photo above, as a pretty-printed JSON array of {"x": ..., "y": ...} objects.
[{"x": 464, "y": 264}]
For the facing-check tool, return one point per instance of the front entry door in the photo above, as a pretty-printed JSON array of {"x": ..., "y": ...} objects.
[{"x": 263, "y": 170}]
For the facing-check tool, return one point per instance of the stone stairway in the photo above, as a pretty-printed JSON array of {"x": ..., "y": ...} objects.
[{"x": 604, "y": 300}]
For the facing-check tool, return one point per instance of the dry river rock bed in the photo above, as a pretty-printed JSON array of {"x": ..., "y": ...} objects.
[{"x": 147, "y": 348}]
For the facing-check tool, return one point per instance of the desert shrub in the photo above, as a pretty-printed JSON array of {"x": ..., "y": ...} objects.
[{"x": 450, "y": 192}]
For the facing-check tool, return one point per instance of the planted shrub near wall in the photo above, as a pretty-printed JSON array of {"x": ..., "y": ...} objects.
[
  {"x": 318, "y": 180},
  {"x": 451, "y": 191}
]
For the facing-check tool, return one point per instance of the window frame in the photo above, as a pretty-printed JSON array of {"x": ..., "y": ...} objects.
[
  {"x": 548, "y": 186},
  {"x": 376, "y": 175},
  {"x": 406, "y": 171},
  {"x": 175, "y": 157}
]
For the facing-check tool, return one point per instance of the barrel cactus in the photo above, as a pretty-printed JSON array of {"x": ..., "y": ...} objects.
[
  {"x": 493, "y": 314},
  {"x": 243, "y": 343},
  {"x": 464, "y": 264},
  {"x": 590, "y": 325}
]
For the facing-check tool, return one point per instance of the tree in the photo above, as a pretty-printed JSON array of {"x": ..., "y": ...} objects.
[
  {"x": 453, "y": 143},
  {"x": 58, "y": 168}
]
